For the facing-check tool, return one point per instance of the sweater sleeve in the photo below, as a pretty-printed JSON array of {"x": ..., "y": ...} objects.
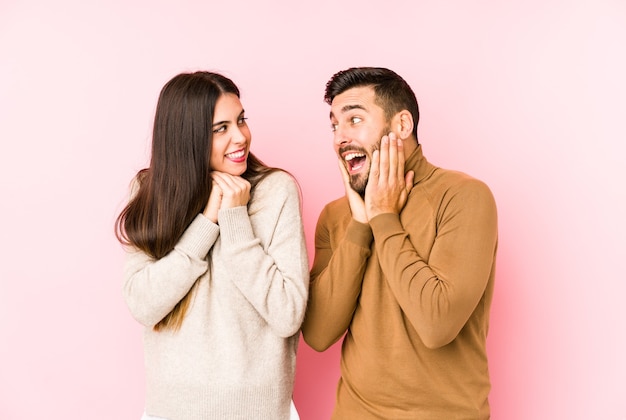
[
  {"x": 153, "y": 287},
  {"x": 336, "y": 279},
  {"x": 273, "y": 276},
  {"x": 439, "y": 295}
]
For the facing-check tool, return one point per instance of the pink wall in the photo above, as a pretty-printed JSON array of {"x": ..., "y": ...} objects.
[{"x": 529, "y": 96}]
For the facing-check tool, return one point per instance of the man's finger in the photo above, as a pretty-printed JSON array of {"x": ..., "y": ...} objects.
[
  {"x": 408, "y": 179},
  {"x": 394, "y": 167},
  {"x": 344, "y": 173},
  {"x": 401, "y": 159},
  {"x": 374, "y": 174},
  {"x": 383, "y": 165}
]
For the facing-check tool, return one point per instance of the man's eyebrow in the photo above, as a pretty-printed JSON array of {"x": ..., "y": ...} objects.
[
  {"x": 351, "y": 107},
  {"x": 347, "y": 108}
]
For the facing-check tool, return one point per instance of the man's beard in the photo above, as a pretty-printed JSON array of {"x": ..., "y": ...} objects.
[{"x": 358, "y": 182}]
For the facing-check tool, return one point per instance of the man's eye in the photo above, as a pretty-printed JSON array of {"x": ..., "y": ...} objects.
[
  {"x": 355, "y": 120},
  {"x": 333, "y": 127}
]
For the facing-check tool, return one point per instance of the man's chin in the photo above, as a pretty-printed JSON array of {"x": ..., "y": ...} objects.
[{"x": 358, "y": 185}]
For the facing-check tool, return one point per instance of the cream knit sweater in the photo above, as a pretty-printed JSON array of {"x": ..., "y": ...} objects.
[{"x": 234, "y": 356}]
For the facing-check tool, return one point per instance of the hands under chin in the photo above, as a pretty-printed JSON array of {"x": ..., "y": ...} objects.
[
  {"x": 235, "y": 189},
  {"x": 214, "y": 203},
  {"x": 227, "y": 191}
]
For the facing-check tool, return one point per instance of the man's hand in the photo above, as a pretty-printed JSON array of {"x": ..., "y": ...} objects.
[
  {"x": 357, "y": 206},
  {"x": 235, "y": 189},
  {"x": 388, "y": 187}
]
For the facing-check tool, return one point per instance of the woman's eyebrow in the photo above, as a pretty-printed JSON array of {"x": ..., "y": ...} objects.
[{"x": 227, "y": 122}]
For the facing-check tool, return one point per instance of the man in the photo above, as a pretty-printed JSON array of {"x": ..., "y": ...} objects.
[{"x": 404, "y": 264}]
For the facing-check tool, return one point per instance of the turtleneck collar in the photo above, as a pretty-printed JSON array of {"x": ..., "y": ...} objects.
[{"x": 417, "y": 163}]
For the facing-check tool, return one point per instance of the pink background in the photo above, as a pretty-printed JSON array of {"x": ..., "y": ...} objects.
[{"x": 528, "y": 96}]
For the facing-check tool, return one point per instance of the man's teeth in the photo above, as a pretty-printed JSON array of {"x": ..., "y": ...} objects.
[
  {"x": 235, "y": 155},
  {"x": 351, "y": 156}
]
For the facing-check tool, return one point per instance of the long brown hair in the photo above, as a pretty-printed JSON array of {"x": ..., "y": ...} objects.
[{"x": 176, "y": 186}]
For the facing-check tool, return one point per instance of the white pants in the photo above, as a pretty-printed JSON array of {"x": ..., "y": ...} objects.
[{"x": 293, "y": 415}]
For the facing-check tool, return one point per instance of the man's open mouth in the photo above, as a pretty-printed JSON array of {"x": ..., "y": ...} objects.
[{"x": 355, "y": 161}]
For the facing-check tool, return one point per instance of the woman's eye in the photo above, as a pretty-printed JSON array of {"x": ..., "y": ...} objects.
[
  {"x": 220, "y": 129},
  {"x": 242, "y": 120}
]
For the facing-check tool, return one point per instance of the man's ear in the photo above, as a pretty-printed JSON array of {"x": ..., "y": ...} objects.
[{"x": 404, "y": 124}]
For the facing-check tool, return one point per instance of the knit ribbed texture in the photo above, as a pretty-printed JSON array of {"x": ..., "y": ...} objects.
[
  {"x": 234, "y": 356},
  {"x": 412, "y": 305},
  {"x": 198, "y": 239},
  {"x": 224, "y": 403}
]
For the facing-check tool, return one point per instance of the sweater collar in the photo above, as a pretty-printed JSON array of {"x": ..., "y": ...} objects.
[{"x": 417, "y": 163}]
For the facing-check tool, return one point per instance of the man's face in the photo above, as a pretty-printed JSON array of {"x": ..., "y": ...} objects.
[{"x": 358, "y": 125}]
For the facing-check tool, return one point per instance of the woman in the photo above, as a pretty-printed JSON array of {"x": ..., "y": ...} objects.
[{"x": 217, "y": 269}]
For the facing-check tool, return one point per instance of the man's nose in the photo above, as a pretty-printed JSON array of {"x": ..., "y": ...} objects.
[{"x": 340, "y": 136}]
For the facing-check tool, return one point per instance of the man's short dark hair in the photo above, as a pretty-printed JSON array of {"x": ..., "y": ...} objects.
[{"x": 393, "y": 93}]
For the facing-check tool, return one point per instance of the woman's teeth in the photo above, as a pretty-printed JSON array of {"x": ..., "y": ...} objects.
[{"x": 236, "y": 155}]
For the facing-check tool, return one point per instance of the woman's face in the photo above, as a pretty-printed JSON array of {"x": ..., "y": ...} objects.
[{"x": 231, "y": 136}]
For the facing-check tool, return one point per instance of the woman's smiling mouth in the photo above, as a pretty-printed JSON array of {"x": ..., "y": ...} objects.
[{"x": 237, "y": 156}]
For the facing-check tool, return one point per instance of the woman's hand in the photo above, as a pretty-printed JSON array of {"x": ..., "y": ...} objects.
[
  {"x": 235, "y": 190},
  {"x": 214, "y": 203}
]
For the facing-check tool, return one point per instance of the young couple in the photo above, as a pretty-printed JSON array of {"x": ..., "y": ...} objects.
[{"x": 217, "y": 268}]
